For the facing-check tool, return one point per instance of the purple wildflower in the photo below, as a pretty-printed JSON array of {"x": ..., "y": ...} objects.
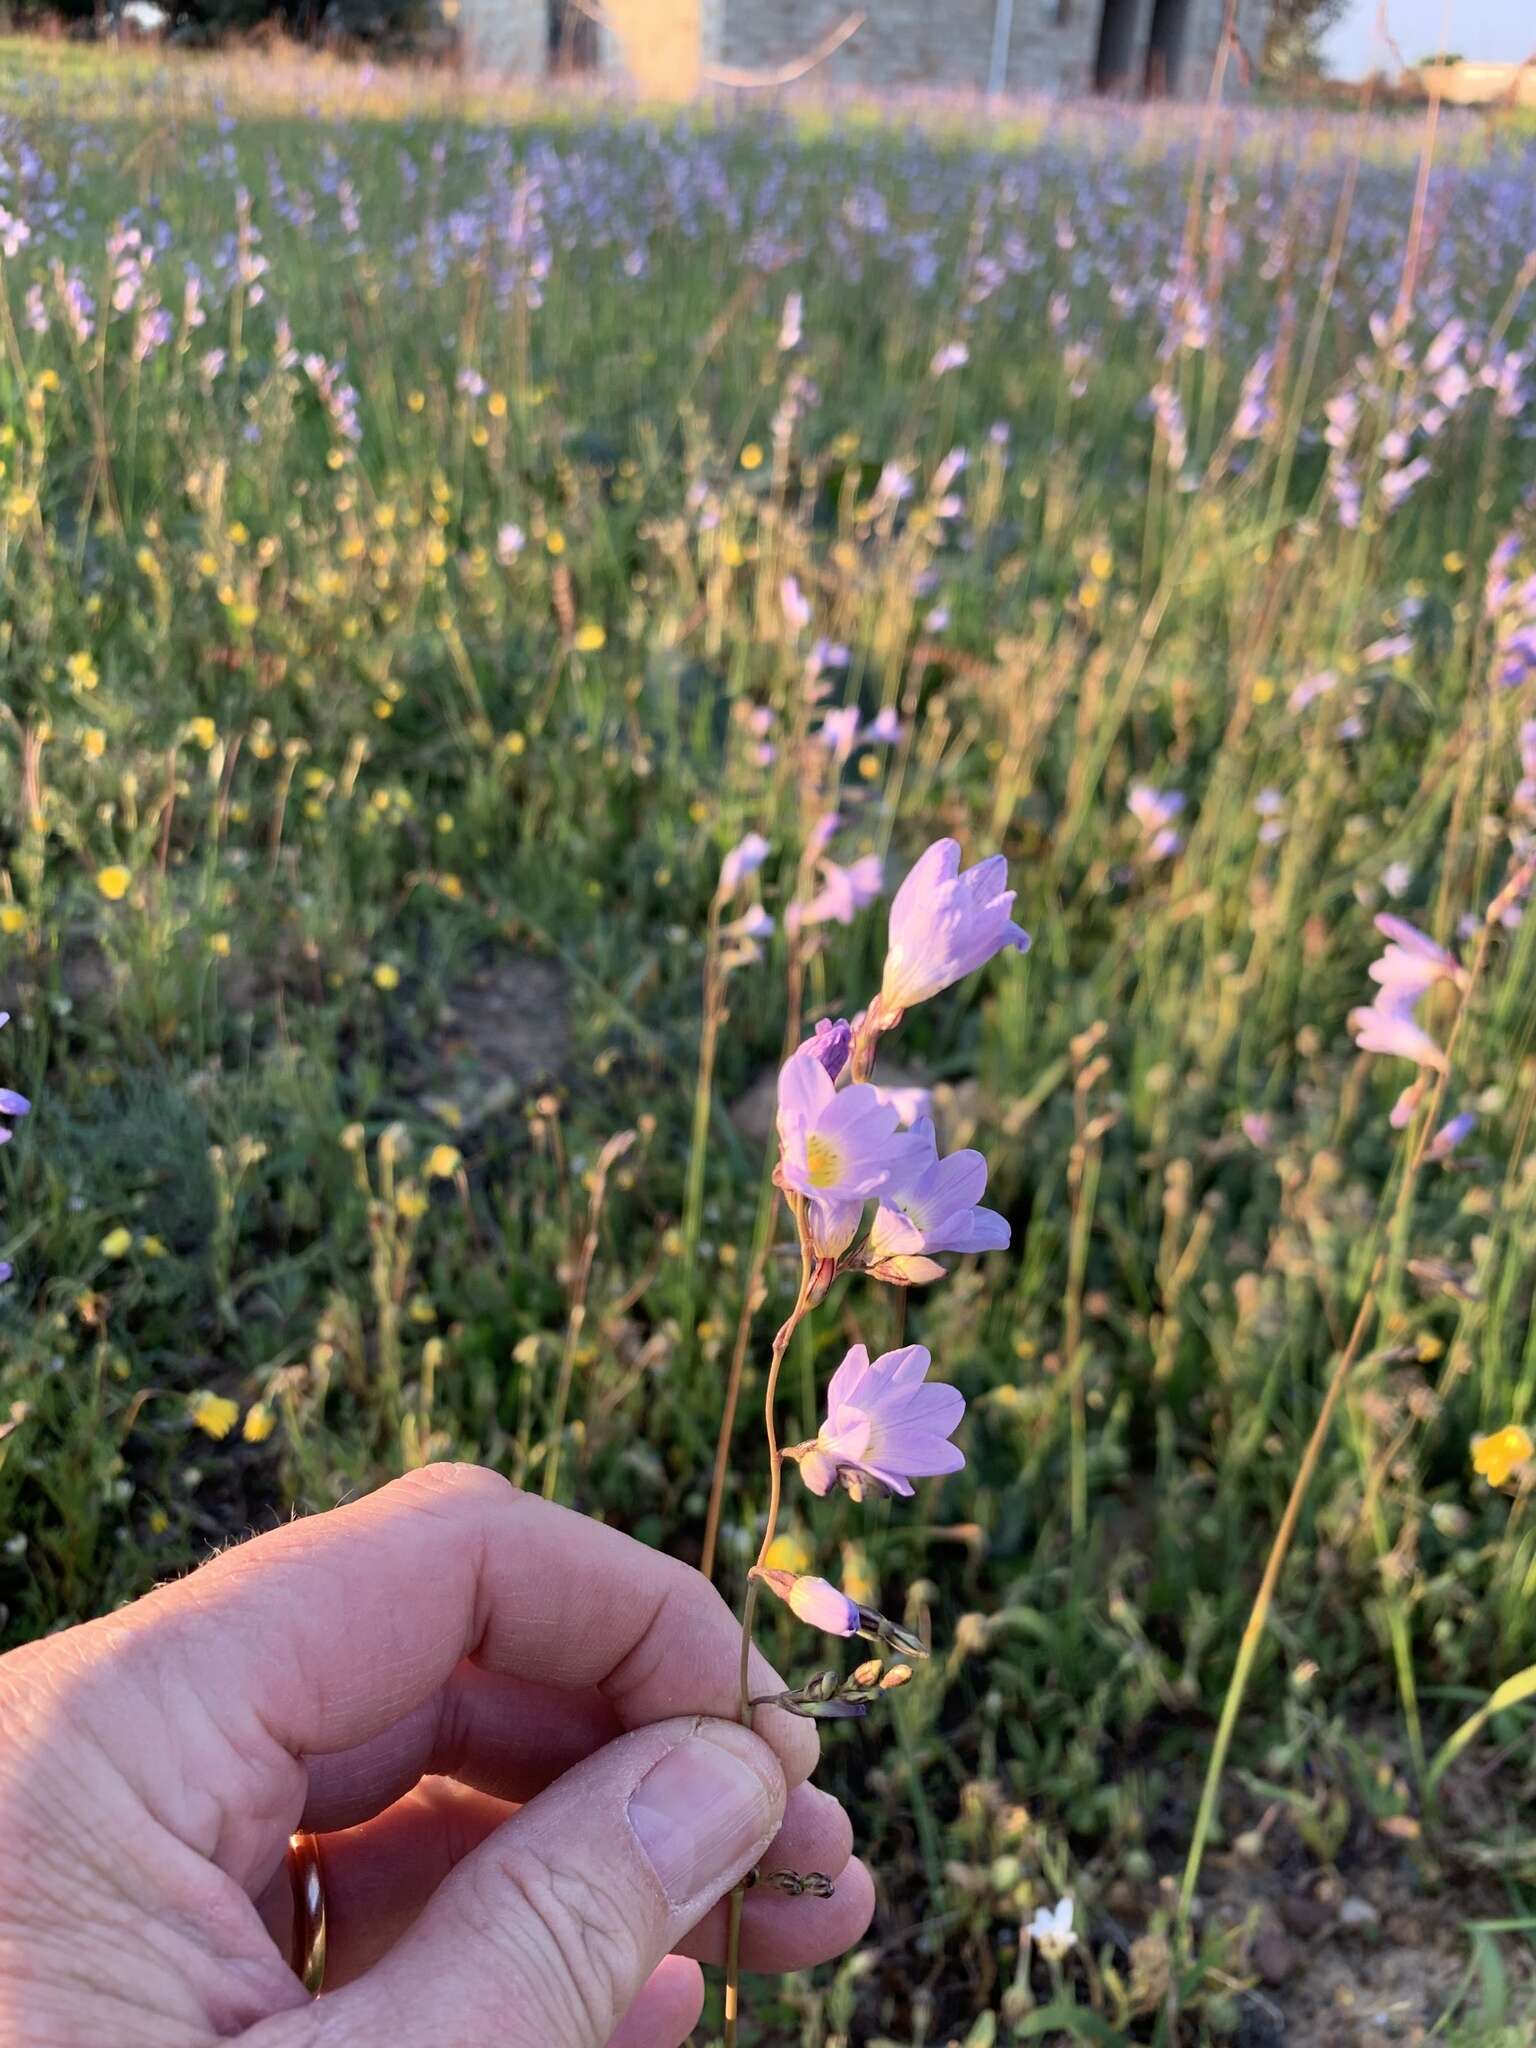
[
  {"x": 844, "y": 892},
  {"x": 1450, "y": 1135},
  {"x": 837, "y": 1146},
  {"x": 944, "y": 925},
  {"x": 885, "y": 1426},
  {"x": 1155, "y": 810},
  {"x": 744, "y": 858},
  {"x": 932, "y": 1206},
  {"x": 831, "y": 1042}
]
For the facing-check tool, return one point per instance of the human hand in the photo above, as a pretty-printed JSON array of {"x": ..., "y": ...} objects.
[{"x": 515, "y": 1732}]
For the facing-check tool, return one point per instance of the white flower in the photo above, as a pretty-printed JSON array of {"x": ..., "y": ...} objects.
[{"x": 1051, "y": 1930}]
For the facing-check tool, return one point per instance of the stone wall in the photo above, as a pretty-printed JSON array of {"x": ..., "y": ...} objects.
[
  {"x": 946, "y": 44},
  {"x": 1052, "y": 45},
  {"x": 506, "y": 35}
]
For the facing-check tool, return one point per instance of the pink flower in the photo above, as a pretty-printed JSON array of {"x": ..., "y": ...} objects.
[
  {"x": 945, "y": 924},
  {"x": 932, "y": 1207},
  {"x": 885, "y": 1426},
  {"x": 844, "y": 892},
  {"x": 837, "y": 1148},
  {"x": 908, "y": 1103},
  {"x": 1390, "y": 1026},
  {"x": 1413, "y": 962},
  {"x": 744, "y": 858},
  {"x": 815, "y": 1602}
]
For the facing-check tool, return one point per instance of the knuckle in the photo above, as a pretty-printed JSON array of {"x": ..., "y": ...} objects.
[
  {"x": 566, "y": 1936},
  {"x": 452, "y": 1485}
]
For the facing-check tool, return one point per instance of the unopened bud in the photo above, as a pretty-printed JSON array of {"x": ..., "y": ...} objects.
[{"x": 898, "y": 1675}]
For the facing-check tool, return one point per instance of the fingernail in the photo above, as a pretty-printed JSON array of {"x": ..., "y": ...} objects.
[{"x": 700, "y": 1813}]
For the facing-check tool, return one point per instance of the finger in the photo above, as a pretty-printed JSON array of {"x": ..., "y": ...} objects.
[
  {"x": 503, "y": 1735},
  {"x": 667, "y": 2010},
  {"x": 548, "y": 1930},
  {"x": 379, "y": 1876},
  {"x": 780, "y": 1933},
  {"x": 318, "y": 1636}
]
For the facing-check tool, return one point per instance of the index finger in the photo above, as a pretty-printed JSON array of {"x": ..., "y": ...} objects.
[{"x": 323, "y": 1633}]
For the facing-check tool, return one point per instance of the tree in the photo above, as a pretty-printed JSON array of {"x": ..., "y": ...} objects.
[{"x": 1293, "y": 45}]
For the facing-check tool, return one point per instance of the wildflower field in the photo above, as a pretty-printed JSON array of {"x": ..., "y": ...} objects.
[{"x": 495, "y": 598}]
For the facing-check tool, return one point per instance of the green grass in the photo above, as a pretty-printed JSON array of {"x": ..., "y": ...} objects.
[{"x": 412, "y": 861}]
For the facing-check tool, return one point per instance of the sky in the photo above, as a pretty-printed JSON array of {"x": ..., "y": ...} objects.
[{"x": 1501, "y": 31}]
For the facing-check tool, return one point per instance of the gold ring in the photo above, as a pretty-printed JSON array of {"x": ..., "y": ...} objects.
[{"x": 307, "y": 1955}]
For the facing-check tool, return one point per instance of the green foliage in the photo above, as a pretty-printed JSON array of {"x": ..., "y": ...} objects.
[{"x": 420, "y": 828}]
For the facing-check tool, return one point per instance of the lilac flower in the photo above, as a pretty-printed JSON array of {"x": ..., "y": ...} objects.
[
  {"x": 789, "y": 324},
  {"x": 1155, "y": 810},
  {"x": 830, "y": 1042},
  {"x": 1412, "y": 961},
  {"x": 1168, "y": 411},
  {"x": 751, "y": 925},
  {"x": 944, "y": 925},
  {"x": 1450, "y": 1135},
  {"x": 1389, "y": 647},
  {"x": 1257, "y": 1128},
  {"x": 885, "y": 1426},
  {"x": 744, "y": 858},
  {"x": 844, "y": 892},
  {"x": 1255, "y": 408},
  {"x": 1397, "y": 879},
  {"x": 839, "y": 731},
  {"x": 794, "y": 605},
  {"x": 884, "y": 729},
  {"x": 816, "y": 1602},
  {"x": 1311, "y": 688},
  {"x": 1270, "y": 806},
  {"x": 893, "y": 484},
  {"x": 953, "y": 356},
  {"x": 836, "y": 1145},
  {"x": 12, "y": 1104},
  {"x": 1398, "y": 484},
  {"x": 910, "y": 1104},
  {"x": 932, "y": 1205},
  {"x": 510, "y": 541},
  {"x": 1389, "y": 1026}
]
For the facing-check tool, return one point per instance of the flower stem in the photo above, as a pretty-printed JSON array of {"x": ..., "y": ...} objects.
[
  {"x": 1253, "y": 1634},
  {"x": 749, "y": 1603}
]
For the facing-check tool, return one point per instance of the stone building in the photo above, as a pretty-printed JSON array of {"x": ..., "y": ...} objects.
[{"x": 1017, "y": 47}]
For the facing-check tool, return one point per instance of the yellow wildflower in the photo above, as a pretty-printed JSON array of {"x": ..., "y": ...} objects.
[
  {"x": 751, "y": 456},
  {"x": 788, "y": 1553},
  {"x": 93, "y": 742},
  {"x": 113, "y": 882},
  {"x": 218, "y": 945},
  {"x": 259, "y": 1423},
  {"x": 411, "y": 1203},
  {"x": 385, "y": 976},
  {"x": 215, "y": 1415},
  {"x": 81, "y": 670},
  {"x": 443, "y": 1162},
  {"x": 1496, "y": 1458},
  {"x": 588, "y": 637},
  {"x": 117, "y": 1243},
  {"x": 204, "y": 731},
  {"x": 13, "y": 919}
]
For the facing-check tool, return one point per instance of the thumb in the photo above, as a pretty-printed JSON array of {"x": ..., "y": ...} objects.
[{"x": 543, "y": 1936}]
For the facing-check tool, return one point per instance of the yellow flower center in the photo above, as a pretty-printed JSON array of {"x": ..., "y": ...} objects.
[{"x": 823, "y": 1161}]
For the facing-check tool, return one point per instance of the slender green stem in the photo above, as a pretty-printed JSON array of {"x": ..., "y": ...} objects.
[
  {"x": 703, "y": 1100},
  {"x": 1253, "y": 1633}
]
